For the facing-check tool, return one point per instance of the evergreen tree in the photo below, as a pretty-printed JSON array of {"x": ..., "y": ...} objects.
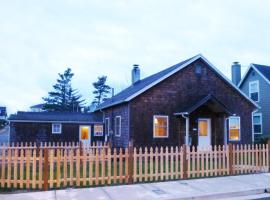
[
  {"x": 101, "y": 90},
  {"x": 63, "y": 97}
]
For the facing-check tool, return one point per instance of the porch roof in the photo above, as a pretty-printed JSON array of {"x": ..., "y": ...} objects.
[{"x": 210, "y": 101}]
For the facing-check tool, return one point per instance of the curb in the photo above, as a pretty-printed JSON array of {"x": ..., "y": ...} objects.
[{"x": 225, "y": 195}]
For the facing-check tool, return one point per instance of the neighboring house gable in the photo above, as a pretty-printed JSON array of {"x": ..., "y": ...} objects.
[{"x": 259, "y": 76}]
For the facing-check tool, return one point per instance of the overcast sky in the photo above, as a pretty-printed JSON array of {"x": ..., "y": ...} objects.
[{"x": 39, "y": 39}]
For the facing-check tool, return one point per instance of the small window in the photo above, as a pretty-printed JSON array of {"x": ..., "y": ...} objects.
[
  {"x": 98, "y": 130},
  {"x": 257, "y": 123},
  {"x": 161, "y": 126},
  {"x": 107, "y": 126},
  {"x": 234, "y": 128},
  {"x": 198, "y": 69},
  {"x": 254, "y": 90},
  {"x": 56, "y": 128},
  {"x": 117, "y": 126}
]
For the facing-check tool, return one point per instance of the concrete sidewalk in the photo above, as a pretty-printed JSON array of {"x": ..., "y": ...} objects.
[{"x": 206, "y": 188}]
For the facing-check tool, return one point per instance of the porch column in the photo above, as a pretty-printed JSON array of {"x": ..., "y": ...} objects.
[{"x": 187, "y": 131}]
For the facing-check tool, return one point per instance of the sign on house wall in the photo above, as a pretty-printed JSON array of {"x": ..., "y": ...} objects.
[{"x": 98, "y": 130}]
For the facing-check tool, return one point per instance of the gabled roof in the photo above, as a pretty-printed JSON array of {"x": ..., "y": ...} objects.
[
  {"x": 262, "y": 70},
  {"x": 210, "y": 99},
  {"x": 141, "y": 86},
  {"x": 65, "y": 117}
]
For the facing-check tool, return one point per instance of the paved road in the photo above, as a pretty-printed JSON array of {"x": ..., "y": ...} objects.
[
  {"x": 4, "y": 135},
  {"x": 230, "y": 187}
]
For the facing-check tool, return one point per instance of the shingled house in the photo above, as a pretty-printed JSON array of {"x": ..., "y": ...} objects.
[
  {"x": 56, "y": 127},
  {"x": 190, "y": 102}
]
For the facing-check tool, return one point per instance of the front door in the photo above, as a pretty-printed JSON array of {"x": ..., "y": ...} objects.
[
  {"x": 85, "y": 136},
  {"x": 204, "y": 132}
]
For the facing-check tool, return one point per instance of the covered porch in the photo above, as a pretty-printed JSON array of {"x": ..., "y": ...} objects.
[{"x": 204, "y": 122}]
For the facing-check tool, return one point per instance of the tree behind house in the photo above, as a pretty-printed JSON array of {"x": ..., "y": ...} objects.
[
  {"x": 63, "y": 97},
  {"x": 101, "y": 90}
]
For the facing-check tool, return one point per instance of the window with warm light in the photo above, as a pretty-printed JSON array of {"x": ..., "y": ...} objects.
[
  {"x": 203, "y": 127},
  {"x": 234, "y": 128},
  {"x": 85, "y": 132},
  {"x": 56, "y": 128},
  {"x": 161, "y": 126}
]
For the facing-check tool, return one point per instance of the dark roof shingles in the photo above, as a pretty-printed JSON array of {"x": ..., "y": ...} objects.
[
  {"x": 121, "y": 96},
  {"x": 57, "y": 116},
  {"x": 265, "y": 70}
]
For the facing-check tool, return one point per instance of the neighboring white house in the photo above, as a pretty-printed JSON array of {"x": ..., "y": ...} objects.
[
  {"x": 256, "y": 84},
  {"x": 37, "y": 108}
]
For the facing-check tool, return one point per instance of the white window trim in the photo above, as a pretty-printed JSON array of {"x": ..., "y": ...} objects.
[
  {"x": 95, "y": 135},
  {"x": 120, "y": 126},
  {"x": 108, "y": 126},
  {"x": 163, "y": 116},
  {"x": 239, "y": 129},
  {"x": 57, "y": 132},
  {"x": 258, "y": 88},
  {"x": 257, "y": 114}
]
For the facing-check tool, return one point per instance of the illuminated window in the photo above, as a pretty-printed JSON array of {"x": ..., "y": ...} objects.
[
  {"x": 117, "y": 125},
  {"x": 203, "y": 127},
  {"x": 56, "y": 128},
  {"x": 161, "y": 126},
  {"x": 257, "y": 123},
  {"x": 234, "y": 128},
  {"x": 254, "y": 90},
  {"x": 84, "y": 132}
]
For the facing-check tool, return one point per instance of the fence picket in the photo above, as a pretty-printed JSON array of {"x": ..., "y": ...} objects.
[{"x": 23, "y": 166}]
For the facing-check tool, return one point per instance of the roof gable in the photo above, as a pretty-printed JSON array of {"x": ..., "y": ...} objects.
[
  {"x": 141, "y": 86},
  {"x": 262, "y": 70}
]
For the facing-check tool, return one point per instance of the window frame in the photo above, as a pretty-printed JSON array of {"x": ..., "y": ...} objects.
[
  {"x": 120, "y": 125},
  {"x": 257, "y": 114},
  {"x": 60, "y": 128},
  {"x": 258, "y": 90},
  {"x": 95, "y": 134},
  {"x": 238, "y": 117},
  {"x": 107, "y": 129},
  {"x": 154, "y": 128}
]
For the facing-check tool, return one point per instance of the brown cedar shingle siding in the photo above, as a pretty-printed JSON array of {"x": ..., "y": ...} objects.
[
  {"x": 173, "y": 94},
  {"x": 42, "y": 132},
  {"x": 123, "y": 111},
  {"x": 179, "y": 89}
]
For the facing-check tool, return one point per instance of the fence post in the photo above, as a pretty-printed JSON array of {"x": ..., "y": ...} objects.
[
  {"x": 46, "y": 169},
  {"x": 230, "y": 159},
  {"x": 185, "y": 162},
  {"x": 268, "y": 142},
  {"x": 130, "y": 162}
]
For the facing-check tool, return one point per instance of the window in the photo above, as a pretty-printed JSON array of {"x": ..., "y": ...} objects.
[
  {"x": 198, "y": 69},
  {"x": 117, "y": 125},
  {"x": 84, "y": 133},
  {"x": 203, "y": 127},
  {"x": 107, "y": 126},
  {"x": 161, "y": 126},
  {"x": 98, "y": 130},
  {"x": 234, "y": 128},
  {"x": 56, "y": 128},
  {"x": 254, "y": 90},
  {"x": 257, "y": 123}
]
